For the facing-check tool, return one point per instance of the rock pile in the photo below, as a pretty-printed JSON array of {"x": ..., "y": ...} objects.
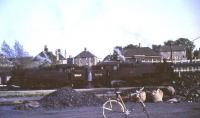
[
  {"x": 67, "y": 97},
  {"x": 28, "y": 105}
]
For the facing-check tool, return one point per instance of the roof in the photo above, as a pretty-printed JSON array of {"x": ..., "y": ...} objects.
[
  {"x": 174, "y": 48},
  {"x": 4, "y": 61},
  {"x": 61, "y": 57},
  {"x": 133, "y": 51},
  {"x": 45, "y": 56},
  {"x": 85, "y": 54},
  {"x": 23, "y": 61}
]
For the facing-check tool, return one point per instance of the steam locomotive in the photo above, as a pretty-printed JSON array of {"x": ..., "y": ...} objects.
[{"x": 103, "y": 75}]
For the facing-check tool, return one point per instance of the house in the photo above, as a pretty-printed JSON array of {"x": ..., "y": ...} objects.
[
  {"x": 140, "y": 54},
  {"x": 60, "y": 59},
  {"x": 5, "y": 69},
  {"x": 172, "y": 53},
  {"x": 70, "y": 60},
  {"x": 47, "y": 58},
  {"x": 24, "y": 62},
  {"x": 85, "y": 58}
]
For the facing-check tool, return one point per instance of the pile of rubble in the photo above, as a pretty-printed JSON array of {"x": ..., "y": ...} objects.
[
  {"x": 67, "y": 97},
  {"x": 62, "y": 98}
]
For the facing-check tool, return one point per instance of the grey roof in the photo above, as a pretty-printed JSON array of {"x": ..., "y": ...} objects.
[
  {"x": 45, "y": 56},
  {"x": 85, "y": 54},
  {"x": 4, "y": 60},
  {"x": 22, "y": 60},
  {"x": 61, "y": 57},
  {"x": 173, "y": 48},
  {"x": 129, "y": 52}
]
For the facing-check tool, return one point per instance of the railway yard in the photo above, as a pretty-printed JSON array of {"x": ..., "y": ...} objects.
[
  {"x": 86, "y": 103},
  {"x": 172, "y": 99}
]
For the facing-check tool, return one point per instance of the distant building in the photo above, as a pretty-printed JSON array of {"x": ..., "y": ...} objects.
[
  {"x": 140, "y": 54},
  {"x": 5, "y": 62},
  {"x": 60, "y": 59},
  {"x": 85, "y": 58},
  {"x": 172, "y": 53},
  {"x": 5, "y": 69},
  {"x": 46, "y": 57},
  {"x": 70, "y": 60},
  {"x": 24, "y": 62}
]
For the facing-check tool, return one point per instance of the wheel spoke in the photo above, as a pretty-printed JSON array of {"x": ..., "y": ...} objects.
[
  {"x": 107, "y": 108},
  {"x": 113, "y": 109}
]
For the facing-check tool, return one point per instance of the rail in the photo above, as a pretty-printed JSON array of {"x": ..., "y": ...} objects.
[{"x": 99, "y": 91}]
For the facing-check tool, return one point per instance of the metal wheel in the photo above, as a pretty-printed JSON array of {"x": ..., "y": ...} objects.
[{"x": 113, "y": 109}]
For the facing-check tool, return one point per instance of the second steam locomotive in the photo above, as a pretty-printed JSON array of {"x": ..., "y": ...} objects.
[{"x": 100, "y": 75}]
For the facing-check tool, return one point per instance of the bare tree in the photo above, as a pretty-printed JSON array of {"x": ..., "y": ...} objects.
[
  {"x": 19, "y": 50},
  {"x": 6, "y": 50}
]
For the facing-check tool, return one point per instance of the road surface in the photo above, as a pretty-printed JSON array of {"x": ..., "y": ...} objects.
[{"x": 156, "y": 110}]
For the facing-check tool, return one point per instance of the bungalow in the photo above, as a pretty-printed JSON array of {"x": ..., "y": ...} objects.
[
  {"x": 85, "y": 58},
  {"x": 173, "y": 53},
  {"x": 140, "y": 54}
]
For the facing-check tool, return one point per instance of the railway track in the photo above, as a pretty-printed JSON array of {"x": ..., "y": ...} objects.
[{"x": 98, "y": 91}]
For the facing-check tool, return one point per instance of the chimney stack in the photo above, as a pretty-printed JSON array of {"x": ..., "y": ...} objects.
[
  {"x": 58, "y": 51},
  {"x": 45, "y": 48},
  {"x": 58, "y": 54},
  {"x": 65, "y": 54}
]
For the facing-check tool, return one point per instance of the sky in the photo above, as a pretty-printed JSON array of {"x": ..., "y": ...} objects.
[{"x": 98, "y": 25}]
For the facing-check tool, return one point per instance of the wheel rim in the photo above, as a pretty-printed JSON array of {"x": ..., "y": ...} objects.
[{"x": 113, "y": 108}]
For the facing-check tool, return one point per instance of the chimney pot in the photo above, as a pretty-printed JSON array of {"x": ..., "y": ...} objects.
[
  {"x": 45, "y": 48},
  {"x": 58, "y": 50}
]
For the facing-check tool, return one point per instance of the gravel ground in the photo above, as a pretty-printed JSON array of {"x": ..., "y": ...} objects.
[
  {"x": 156, "y": 110},
  {"x": 68, "y": 103}
]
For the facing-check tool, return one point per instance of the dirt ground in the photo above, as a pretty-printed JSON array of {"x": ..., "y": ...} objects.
[{"x": 156, "y": 110}]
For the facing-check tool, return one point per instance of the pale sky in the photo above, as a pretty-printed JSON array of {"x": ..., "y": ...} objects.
[{"x": 98, "y": 25}]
